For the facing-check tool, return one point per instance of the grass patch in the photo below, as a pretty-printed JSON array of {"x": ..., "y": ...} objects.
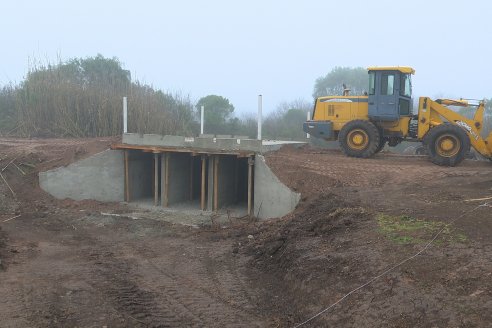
[{"x": 409, "y": 230}]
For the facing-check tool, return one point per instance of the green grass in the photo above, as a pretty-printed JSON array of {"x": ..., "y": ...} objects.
[{"x": 409, "y": 230}]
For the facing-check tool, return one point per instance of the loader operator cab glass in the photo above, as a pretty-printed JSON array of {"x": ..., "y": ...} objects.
[
  {"x": 387, "y": 84},
  {"x": 372, "y": 83},
  {"x": 406, "y": 85}
]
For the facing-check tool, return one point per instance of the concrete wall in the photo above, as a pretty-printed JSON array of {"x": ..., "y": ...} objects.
[
  {"x": 98, "y": 177},
  {"x": 272, "y": 198}
]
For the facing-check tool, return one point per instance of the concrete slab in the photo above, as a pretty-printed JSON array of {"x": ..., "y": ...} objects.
[
  {"x": 186, "y": 214},
  {"x": 200, "y": 143}
]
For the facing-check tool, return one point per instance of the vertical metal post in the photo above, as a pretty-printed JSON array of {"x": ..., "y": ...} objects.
[
  {"x": 125, "y": 115},
  {"x": 250, "y": 186},
  {"x": 202, "y": 195},
  {"x": 308, "y": 118},
  {"x": 260, "y": 109},
  {"x": 202, "y": 112}
]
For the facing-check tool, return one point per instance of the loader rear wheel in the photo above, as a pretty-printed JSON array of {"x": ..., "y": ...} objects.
[
  {"x": 447, "y": 144},
  {"x": 359, "y": 138}
]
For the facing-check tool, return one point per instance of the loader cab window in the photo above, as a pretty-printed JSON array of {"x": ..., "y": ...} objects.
[
  {"x": 372, "y": 83},
  {"x": 387, "y": 84},
  {"x": 406, "y": 85}
]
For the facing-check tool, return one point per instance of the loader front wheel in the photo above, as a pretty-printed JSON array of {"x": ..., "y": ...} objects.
[
  {"x": 359, "y": 138},
  {"x": 447, "y": 144}
]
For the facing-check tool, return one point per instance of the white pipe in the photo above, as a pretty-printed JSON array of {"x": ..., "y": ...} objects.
[
  {"x": 125, "y": 115},
  {"x": 260, "y": 105},
  {"x": 202, "y": 110},
  {"x": 308, "y": 118}
]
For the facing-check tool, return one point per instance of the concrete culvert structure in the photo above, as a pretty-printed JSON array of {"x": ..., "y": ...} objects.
[{"x": 186, "y": 176}]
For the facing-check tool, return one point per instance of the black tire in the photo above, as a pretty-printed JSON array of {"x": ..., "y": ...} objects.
[
  {"x": 359, "y": 138},
  {"x": 447, "y": 144}
]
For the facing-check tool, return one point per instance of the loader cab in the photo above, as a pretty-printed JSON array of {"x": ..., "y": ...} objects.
[{"x": 390, "y": 93}]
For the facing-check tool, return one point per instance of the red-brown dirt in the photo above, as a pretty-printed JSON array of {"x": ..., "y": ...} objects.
[{"x": 66, "y": 264}]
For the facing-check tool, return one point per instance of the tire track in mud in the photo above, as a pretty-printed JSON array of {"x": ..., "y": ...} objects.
[
  {"x": 237, "y": 292},
  {"x": 364, "y": 172},
  {"x": 158, "y": 294},
  {"x": 113, "y": 277},
  {"x": 214, "y": 295}
]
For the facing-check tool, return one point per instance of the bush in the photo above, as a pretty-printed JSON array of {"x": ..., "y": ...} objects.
[{"x": 83, "y": 98}]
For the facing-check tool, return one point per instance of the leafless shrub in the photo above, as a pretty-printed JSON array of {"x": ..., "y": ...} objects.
[{"x": 83, "y": 98}]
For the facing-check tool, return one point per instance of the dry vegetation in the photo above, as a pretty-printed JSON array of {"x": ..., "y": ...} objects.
[{"x": 83, "y": 98}]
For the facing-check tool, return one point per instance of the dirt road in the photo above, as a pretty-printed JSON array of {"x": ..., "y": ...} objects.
[{"x": 66, "y": 263}]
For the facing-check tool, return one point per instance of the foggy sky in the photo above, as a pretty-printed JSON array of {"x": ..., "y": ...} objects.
[{"x": 239, "y": 49}]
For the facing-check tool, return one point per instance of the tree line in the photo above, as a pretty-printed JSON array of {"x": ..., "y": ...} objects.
[{"x": 82, "y": 97}]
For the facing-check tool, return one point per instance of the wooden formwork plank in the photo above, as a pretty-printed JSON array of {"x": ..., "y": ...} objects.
[
  {"x": 166, "y": 182},
  {"x": 127, "y": 176},
  {"x": 163, "y": 178},
  {"x": 202, "y": 194},
  {"x": 153, "y": 177},
  {"x": 156, "y": 179},
  {"x": 236, "y": 179},
  {"x": 194, "y": 151},
  {"x": 216, "y": 183},
  {"x": 191, "y": 177}
]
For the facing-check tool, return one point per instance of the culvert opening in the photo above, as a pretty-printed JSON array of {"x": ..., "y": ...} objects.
[
  {"x": 140, "y": 172},
  {"x": 188, "y": 180}
]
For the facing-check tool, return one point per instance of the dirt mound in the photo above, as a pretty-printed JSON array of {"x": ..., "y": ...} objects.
[
  {"x": 331, "y": 246},
  {"x": 304, "y": 255},
  {"x": 22, "y": 159},
  {"x": 323, "y": 217},
  {"x": 45, "y": 154}
]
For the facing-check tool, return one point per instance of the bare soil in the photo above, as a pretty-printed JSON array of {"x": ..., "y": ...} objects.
[{"x": 64, "y": 263}]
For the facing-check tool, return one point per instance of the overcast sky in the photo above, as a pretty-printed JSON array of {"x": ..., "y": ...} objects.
[{"x": 239, "y": 49}]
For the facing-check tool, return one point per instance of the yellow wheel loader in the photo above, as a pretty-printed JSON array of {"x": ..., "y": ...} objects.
[{"x": 364, "y": 124}]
